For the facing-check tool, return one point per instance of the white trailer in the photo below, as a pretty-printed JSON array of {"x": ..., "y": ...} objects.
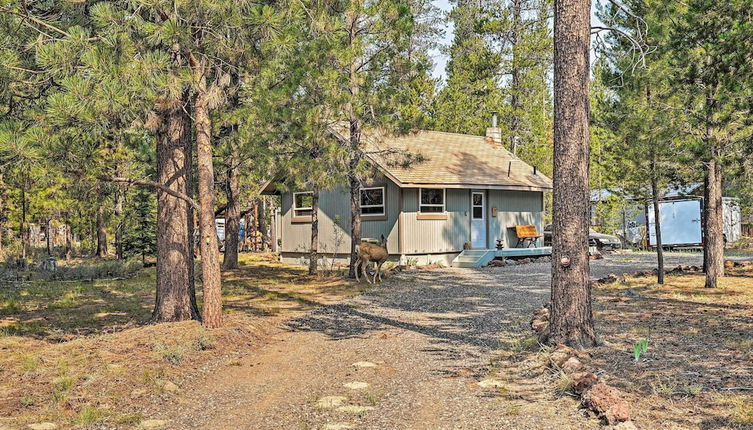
[{"x": 682, "y": 222}]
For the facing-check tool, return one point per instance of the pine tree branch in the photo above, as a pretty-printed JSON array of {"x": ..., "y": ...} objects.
[
  {"x": 27, "y": 16},
  {"x": 35, "y": 20},
  {"x": 596, "y": 29},
  {"x": 152, "y": 184}
]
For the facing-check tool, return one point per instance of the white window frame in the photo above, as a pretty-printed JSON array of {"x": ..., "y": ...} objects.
[
  {"x": 443, "y": 205},
  {"x": 296, "y": 208},
  {"x": 383, "y": 205}
]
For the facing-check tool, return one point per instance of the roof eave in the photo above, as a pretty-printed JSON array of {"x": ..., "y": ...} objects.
[{"x": 504, "y": 187}]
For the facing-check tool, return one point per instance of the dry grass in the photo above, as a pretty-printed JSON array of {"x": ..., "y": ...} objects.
[
  {"x": 82, "y": 354},
  {"x": 700, "y": 350}
]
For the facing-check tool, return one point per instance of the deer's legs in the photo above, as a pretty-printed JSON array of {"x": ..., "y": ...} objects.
[
  {"x": 357, "y": 266},
  {"x": 365, "y": 273},
  {"x": 378, "y": 272}
]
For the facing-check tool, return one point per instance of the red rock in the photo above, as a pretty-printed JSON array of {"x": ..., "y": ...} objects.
[
  {"x": 572, "y": 365},
  {"x": 583, "y": 381},
  {"x": 608, "y": 402}
]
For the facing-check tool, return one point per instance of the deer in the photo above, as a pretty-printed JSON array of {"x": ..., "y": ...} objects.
[{"x": 368, "y": 252}]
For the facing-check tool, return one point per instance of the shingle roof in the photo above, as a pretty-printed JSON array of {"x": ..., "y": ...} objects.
[{"x": 455, "y": 161}]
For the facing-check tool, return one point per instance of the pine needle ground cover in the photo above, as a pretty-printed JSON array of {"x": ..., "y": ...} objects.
[
  {"x": 697, "y": 371},
  {"x": 83, "y": 354}
]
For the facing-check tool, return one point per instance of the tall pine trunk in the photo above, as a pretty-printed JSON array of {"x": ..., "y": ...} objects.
[
  {"x": 314, "y": 253},
  {"x": 713, "y": 231},
  {"x": 255, "y": 223},
  {"x": 262, "y": 224},
  {"x": 48, "y": 237},
  {"x": 355, "y": 152},
  {"x": 714, "y": 228},
  {"x": 101, "y": 232},
  {"x": 355, "y": 216},
  {"x": 657, "y": 221},
  {"x": 173, "y": 299},
  {"x": 3, "y": 211},
  {"x": 657, "y": 211},
  {"x": 118, "y": 210},
  {"x": 24, "y": 229},
  {"x": 232, "y": 215},
  {"x": 209, "y": 246},
  {"x": 68, "y": 240},
  {"x": 571, "y": 320},
  {"x": 191, "y": 216}
]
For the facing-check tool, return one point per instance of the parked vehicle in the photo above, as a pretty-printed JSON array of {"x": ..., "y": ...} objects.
[
  {"x": 599, "y": 240},
  {"x": 603, "y": 241}
]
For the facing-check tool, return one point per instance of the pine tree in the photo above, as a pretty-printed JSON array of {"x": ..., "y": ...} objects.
[
  {"x": 714, "y": 80},
  {"x": 571, "y": 320},
  {"x": 647, "y": 152},
  {"x": 472, "y": 91}
]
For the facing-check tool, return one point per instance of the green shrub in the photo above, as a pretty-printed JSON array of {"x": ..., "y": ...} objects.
[{"x": 173, "y": 354}]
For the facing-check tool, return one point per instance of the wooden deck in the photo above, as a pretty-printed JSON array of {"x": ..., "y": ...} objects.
[
  {"x": 481, "y": 257},
  {"x": 523, "y": 252}
]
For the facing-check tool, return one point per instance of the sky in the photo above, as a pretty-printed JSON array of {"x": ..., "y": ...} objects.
[{"x": 440, "y": 58}]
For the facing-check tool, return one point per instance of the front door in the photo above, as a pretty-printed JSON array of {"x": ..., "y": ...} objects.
[{"x": 478, "y": 220}]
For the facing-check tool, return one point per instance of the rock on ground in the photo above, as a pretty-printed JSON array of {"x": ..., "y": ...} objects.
[{"x": 608, "y": 403}]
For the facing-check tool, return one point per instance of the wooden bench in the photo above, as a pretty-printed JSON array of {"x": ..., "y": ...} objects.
[{"x": 527, "y": 236}]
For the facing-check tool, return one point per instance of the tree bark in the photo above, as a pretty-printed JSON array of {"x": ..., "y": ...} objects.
[
  {"x": 68, "y": 241},
  {"x": 101, "y": 232},
  {"x": 3, "y": 209},
  {"x": 355, "y": 216},
  {"x": 255, "y": 224},
  {"x": 118, "y": 210},
  {"x": 714, "y": 227},
  {"x": 713, "y": 232},
  {"x": 191, "y": 209},
  {"x": 657, "y": 221},
  {"x": 48, "y": 237},
  {"x": 571, "y": 320},
  {"x": 24, "y": 229},
  {"x": 209, "y": 246},
  {"x": 173, "y": 299},
  {"x": 232, "y": 215},
  {"x": 355, "y": 152},
  {"x": 314, "y": 253},
  {"x": 262, "y": 224},
  {"x": 657, "y": 210}
]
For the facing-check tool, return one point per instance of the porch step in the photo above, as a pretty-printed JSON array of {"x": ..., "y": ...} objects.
[{"x": 473, "y": 258}]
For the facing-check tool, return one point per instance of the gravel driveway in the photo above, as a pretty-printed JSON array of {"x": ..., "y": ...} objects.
[{"x": 407, "y": 355}]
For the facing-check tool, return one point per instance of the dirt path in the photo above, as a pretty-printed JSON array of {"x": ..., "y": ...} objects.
[{"x": 409, "y": 355}]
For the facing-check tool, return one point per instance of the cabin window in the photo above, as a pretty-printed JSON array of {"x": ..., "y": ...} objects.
[
  {"x": 302, "y": 203},
  {"x": 431, "y": 200},
  {"x": 372, "y": 201}
]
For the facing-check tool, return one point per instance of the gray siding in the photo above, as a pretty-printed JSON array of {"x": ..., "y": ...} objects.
[
  {"x": 334, "y": 223},
  {"x": 436, "y": 236},
  {"x": 420, "y": 236},
  {"x": 514, "y": 208}
]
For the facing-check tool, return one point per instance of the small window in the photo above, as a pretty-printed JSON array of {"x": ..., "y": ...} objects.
[
  {"x": 372, "y": 201},
  {"x": 431, "y": 200},
  {"x": 478, "y": 205},
  {"x": 302, "y": 204}
]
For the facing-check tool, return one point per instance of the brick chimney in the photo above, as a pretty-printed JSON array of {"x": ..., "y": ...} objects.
[{"x": 494, "y": 133}]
